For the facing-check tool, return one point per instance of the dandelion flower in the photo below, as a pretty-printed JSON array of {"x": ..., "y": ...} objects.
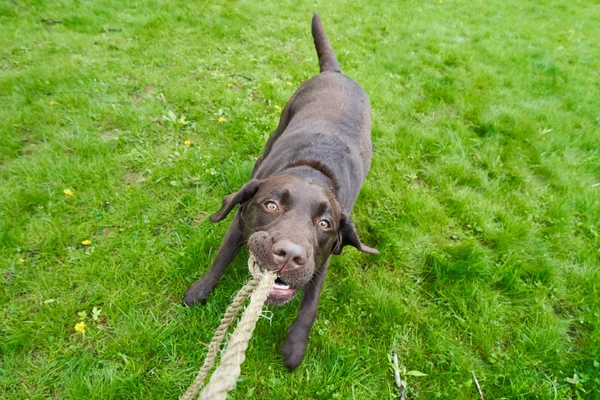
[
  {"x": 53, "y": 103},
  {"x": 80, "y": 327},
  {"x": 288, "y": 83},
  {"x": 222, "y": 120},
  {"x": 68, "y": 192},
  {"x": 187, "y": 142},
  {"x": 21, "y": 260},
  {"x": 229, "y": 85},
  {"x": 277, "y": 108},
  {"x": 182, "y": 121},
  {"x": 86, "y": 242}
]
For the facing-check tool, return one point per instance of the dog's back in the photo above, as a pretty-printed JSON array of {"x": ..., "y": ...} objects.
[{"x": 326, "y": 125}]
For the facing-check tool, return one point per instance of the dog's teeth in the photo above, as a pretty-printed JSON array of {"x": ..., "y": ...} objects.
[{"x": 281, "y": 286}]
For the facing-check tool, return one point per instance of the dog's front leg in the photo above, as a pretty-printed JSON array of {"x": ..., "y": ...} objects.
[
  {"x": 232, "y": 243},
  {"x": 295, "y": 344}
]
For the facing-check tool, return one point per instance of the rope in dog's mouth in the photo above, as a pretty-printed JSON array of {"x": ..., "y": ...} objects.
[{"x": 224, "y": 377}]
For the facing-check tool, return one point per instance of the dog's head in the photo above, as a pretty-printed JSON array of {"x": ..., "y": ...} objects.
[{"x": 291, "y": 226}]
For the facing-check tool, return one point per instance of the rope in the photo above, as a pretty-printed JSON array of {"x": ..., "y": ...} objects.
[
  {"x": 214, "y": 346},
  {"x": 225, "y": 376}
]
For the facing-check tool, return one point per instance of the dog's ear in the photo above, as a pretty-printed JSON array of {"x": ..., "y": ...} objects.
[
  {"x": 245, "y": 193},
  {"x": 347, "y": 235}
]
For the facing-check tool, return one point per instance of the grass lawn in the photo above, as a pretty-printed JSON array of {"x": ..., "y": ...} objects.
[{"x": 483, "y": 197}]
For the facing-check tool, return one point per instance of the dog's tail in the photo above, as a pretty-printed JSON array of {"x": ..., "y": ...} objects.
[{"x": 327, "y": 60}]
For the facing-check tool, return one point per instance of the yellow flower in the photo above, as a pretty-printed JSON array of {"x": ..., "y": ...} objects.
[
  {"x": 22, "y": 260},
  {"x": 277, "y": 108},
  {"x": 80, "y": 327},
  {"x": 288, "y": 83},
  {"x": 68, "y": 192},
  {"x": 182, "y": 121},
  {"x": 222, "y": 120},
  {"x": 187, "y": 142},
  {"x": 53, "y": 103},
  {"x": 229, "y": 85},
  {"x": 86, "y": 242}
]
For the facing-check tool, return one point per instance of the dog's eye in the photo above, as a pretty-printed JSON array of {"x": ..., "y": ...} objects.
[
  {"x": 324, "y": 224},
  {"x": 271, "y": 206}
]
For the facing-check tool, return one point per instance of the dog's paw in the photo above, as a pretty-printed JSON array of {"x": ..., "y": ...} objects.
[
  {"x": 293, "y": 350},
  {"x": 197, "y": 293}
]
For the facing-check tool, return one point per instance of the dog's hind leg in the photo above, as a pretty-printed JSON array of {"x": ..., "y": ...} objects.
[
  {"x": 295, "y": 344},
  {"x": 232, "y": 243}
]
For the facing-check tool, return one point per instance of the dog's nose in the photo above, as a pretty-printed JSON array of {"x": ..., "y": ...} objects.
[{"x": 289, "y": 254}]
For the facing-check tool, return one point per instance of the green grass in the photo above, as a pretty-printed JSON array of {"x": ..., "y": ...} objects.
[{"x": 483, "y": 196}]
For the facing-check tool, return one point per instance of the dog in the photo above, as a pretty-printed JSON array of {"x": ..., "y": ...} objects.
[{"x": 294, "y": 213}]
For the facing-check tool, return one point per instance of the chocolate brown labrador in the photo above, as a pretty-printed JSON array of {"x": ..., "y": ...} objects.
[{"x": 295, "y": 211}]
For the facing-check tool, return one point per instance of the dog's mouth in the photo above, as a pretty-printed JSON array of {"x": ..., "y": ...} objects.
[{"x": 281, "y": 293}]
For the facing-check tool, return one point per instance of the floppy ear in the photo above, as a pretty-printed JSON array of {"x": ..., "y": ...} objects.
[
  {"x": 347, "y": 235},
  {"x": 245, "y": 193}
]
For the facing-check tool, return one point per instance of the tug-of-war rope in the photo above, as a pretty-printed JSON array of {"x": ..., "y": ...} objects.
[{"x": 225, "y": 376}]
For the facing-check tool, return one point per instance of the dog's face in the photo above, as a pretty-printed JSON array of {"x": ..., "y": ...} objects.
[{"x": 292, "y": 226}]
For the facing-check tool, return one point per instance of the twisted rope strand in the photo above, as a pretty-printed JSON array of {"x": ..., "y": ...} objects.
[
  {"x": 225, "y": 376},
  {"x": 215, "y": 344}
]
